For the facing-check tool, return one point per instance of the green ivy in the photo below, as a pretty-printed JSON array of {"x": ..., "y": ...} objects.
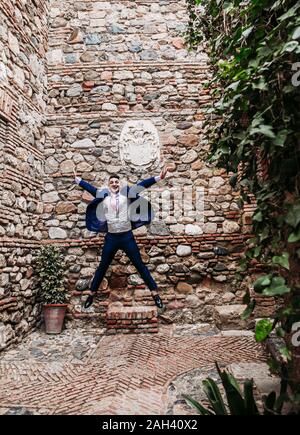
[
  {"x": 238, "y": 401},
  {"x": 253, "y": 129}
]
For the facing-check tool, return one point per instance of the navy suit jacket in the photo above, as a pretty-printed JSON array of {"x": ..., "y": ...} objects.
[{"x": 95, "y": 221}]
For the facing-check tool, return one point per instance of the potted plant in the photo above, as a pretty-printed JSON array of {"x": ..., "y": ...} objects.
[{"x": 52, "y": 292}]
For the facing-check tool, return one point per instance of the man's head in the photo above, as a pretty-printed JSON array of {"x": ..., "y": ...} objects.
[{"x": 114, "y": 183}]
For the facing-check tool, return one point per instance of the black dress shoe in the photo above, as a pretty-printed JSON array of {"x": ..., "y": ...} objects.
[
  {"x": 158, "y": 301},
  {"x": 89, "y": 301}
]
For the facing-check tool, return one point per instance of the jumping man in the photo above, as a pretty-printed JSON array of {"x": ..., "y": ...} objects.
[{"x": 111, "y": 213}]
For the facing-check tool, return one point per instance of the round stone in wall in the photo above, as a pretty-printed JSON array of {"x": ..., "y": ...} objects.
[
  {"x": 163, "y": 268},
  {"x": 193, "y": 230},
  {"x": 83, "y": 143},
  {"x": 210, "y": 227},
  {"x": 183, "y": 250},
  {"x": 189, "y": 157},
  {"x": 74, "y": 91},
  {"x": 135, "y": 279},
  {"x": 82, "y": 284},
  {"x": 230, "y": 227},
  {"x": 216, "y": 182},
  {"x": 57, "y": 233},
  {"x": 50, "y": 197},
  {"x": 139, "y": 145},
  {"x": 67, "y": 166}
]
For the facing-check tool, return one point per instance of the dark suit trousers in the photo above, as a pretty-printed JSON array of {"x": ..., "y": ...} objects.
[{"x": 126, "y": 242}]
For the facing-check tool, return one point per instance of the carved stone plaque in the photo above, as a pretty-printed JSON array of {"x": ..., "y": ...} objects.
[{"x": 139, "y": 145}]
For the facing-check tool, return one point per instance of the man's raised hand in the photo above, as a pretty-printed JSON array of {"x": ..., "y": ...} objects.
[
  {"x": 76, "y": 178},
  {"x": 164, "y": 172}
]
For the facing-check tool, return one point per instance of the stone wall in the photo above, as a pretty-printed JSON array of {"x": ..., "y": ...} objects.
[
  {"x": 117, "y": 31},
  {"x": 111, "y": 65},
  {"x": 23, "y": 44},
  {"x": 193, "y": 280},
  {"x": 116, "y": 62}
]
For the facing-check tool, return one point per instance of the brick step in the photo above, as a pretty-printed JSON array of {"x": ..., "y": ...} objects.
[
  {"x": 228, "y": 317},
  {"x": 132, "y": 320}
]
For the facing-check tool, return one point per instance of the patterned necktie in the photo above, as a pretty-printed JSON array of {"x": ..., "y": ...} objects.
[{"x": 115, "y": 204}]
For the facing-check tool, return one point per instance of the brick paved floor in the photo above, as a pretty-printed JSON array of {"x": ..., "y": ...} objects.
[{"x": 87, "y": 372}]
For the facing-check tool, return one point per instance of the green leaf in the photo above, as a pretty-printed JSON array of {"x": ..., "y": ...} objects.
[
  {"x": 286, "y": 354},
  {"x": 276, "y": 5},
  {"x": 269, "y": 403},
  {"x": 254, "y": 63},
  {"x": 258, "y": 217},
  {"x": 290, "y": 13},
  {"x": 294, "y": 236},
  {"x": 288, "y": 89},
  {"x": 281, "y": 138},
  {"x": 248, "y": 310},
  {"x": 293, "y": 216},
  {"x": 233, "y": 393},
  {"x": 276, "y": 290},
  {"x": 280, "y": 332},
  {"x": 261, "y": 85},
  {"x": 266, "y": 130},
  {"x": 233, "y": 180},
  {"x": 233, "y": 382},
  {"x": 240, "y": 203},
  {"x": 257, "y": 251},
  {"x": 250, "y": 404},
  {"x": 197, "y": 405},
  {"x": 283, "y": 260},
  {"x": 290, "y": 46},
  {"x": 246, "y": 298},
  {"x": 261, "y": 283},
  {"x": 234, "y": 85},
  {"x": 296, "y": 33},
  {"x": 277, "y": 280},
  {"x": 247, "y": 32},
  {"x": 264, "y": 234},
  {"x": 214, "y": 396},
  {"x": 262, "y": 329}
]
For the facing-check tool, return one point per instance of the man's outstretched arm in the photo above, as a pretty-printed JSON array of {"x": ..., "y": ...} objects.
[
  {"x": 86, "y": 186},
  {"x": 148, "y": 182}
]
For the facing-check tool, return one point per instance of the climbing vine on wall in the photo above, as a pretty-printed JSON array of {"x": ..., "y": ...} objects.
[{"x": 254, "y": 132}]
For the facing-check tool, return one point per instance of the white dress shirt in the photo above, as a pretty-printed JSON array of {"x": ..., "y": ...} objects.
[{"x": 115, "y": 209}]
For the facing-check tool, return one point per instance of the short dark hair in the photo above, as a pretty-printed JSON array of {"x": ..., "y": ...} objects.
[{"x": 114, "y": 176}]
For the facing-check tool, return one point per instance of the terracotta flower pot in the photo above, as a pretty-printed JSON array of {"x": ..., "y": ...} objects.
[{"x": 54, "y": 315}]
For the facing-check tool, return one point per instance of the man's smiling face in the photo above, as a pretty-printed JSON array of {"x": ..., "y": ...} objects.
[{"x": 114, "y": 185}]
